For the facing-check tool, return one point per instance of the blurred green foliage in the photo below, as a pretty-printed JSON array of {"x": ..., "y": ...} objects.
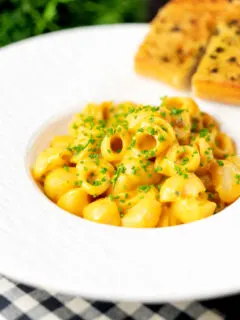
[{"x": 20, "y": 19}]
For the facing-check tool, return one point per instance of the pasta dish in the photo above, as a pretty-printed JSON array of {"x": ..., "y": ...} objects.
[{"x": 142, "y": 166}]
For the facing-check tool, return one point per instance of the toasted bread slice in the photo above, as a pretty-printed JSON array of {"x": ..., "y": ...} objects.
[
  {"x": 218, "y": 75},
  {"x": 177, "y": 39}
]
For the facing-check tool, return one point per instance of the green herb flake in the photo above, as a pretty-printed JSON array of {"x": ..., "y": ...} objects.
[
  {"x": 103, "y": 170},
  {"x": 210, "y": 196},
  {"x": 220, "y": 163},
  {"x": 144, "y": 188},
  {"x": 66, "y": 168},
  {"x": 158, "y": 169},
  {"x": 75, "y": 126},
  {"x": 96, "y": 183},
  {"x": 161, "y": 138},
  {"x": 93, "y": 156},
  {"x": 111, "y": 197},
  {"x": 120, "y": 170},
  {"x": 77, "y": 149},
  {"x": 185, "y": 161},
  {"x": 163, "y": 101},
  {"x": 176, "y": 111},
  {"x": 132, "y": 144},
  {"x": 203, "y": 132},
  {"x": 151, "y": 119},
  {"x": 194, "y": 126},
  {"x": 181, "y": 172},
  {"x": 151, "y": 131},
  {"x": 237, "y": 178},
  {"x": 78, "y": 183}
]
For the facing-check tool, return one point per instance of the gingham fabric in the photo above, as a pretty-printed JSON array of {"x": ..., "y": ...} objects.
[{"x": 21, "y": 302}]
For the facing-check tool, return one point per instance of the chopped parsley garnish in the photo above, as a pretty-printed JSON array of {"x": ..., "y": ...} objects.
[
  {"x": 164, "y": 129},
  {"x": 132, "y": 144},
  {"x": 111, "y": 197},
  {"x": 144, "y": 188},
  {"x": 93, "y": 155},
  {"x": 151, "y": 131},
  {"x": 151, "y": 119},
  {"x": 134, "y": 170},
  {"x": 194, "y": 153},
  {"x": 220, "y": 163},
  {"x": 66, "y": 168},
  {"x": 237, "y": 177},
  {"x": 210, "y": 196},
  {"x": 120, "y": 170},
  {"x": 194, "y": 126},
  {"x": 96, "y": 183},
  {"x": 80, "y": 147},
  {"x": 184, "y": 161},
  {"x": 181, "y": 172},
  {"x": 158, "y": 169},
  {"x": 110, "y": 131},
  {"x": 148, "y": 153},
  {"x": 153, "y": 109},
  {"x": 163, "y": 101},
  {"x": 78, "y": 183},
  {"x": 77, "y": 149},
  {"x": 103, "y": 170},
  {"x": 75, "y": 126},
  {"x": 176, "y": 111},
  {"x": 203, "y": 132},
  {"x": 161, "y": 138}
]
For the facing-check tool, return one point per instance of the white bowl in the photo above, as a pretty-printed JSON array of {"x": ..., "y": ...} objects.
[{"x": 45, "y": 246}]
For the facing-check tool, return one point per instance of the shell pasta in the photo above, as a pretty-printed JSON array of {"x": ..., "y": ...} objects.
[{"x": 141, "y": 166}]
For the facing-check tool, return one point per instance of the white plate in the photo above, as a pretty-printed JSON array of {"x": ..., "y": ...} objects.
[{"x": 43, "y": 245}]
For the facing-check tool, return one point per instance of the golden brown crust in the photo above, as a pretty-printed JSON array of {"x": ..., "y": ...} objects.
[
  {"x": 218, "y": 75},
  {"x": 222, "y": 92},
  {"x": 231, "y": 12},
  {"x": 176, "y": 41},
  {"x": 175, "y": 8},
  {"x": 178, "y": 36},
  {"x": 154, "y": 70}
]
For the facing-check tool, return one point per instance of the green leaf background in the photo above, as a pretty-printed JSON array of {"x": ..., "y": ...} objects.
[{"x": 20, "y": 19}]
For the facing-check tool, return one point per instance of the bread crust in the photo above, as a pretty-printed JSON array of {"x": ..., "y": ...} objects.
[
  {"x": 218, "y": 74},
  {"x": 172, "y": 57},
  {"x": 222, "y": 92},
  {"x": 176, "y": 41}
]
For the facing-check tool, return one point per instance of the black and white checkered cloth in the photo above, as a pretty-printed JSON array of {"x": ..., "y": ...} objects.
[{"x": 20, "y": 302}]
